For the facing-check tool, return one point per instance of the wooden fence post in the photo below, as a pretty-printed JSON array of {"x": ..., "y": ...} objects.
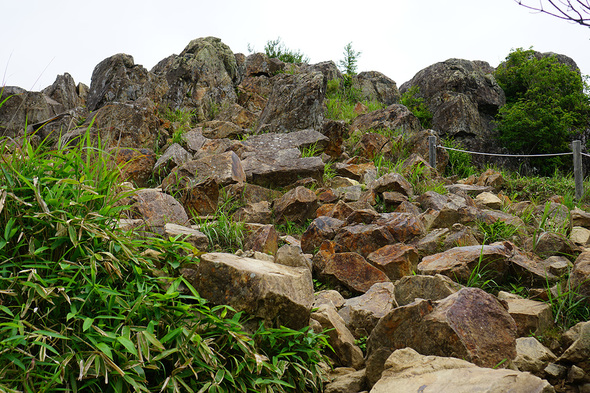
[
  {"x": 432, "y": 151},
  {"x": 578, "y": 172}
]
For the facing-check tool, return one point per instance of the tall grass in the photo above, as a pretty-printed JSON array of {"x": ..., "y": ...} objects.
[{"x": 81, "y": 310}]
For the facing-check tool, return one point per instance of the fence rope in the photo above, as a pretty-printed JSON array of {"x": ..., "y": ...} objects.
[
  {"x": 585, "y": 154},
  {"x": 512, "y": 155}
]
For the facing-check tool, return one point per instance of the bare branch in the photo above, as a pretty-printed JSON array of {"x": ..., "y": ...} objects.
[{"x": 574, "y": 11}]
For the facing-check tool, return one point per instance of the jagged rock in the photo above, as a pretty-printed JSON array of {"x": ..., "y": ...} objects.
[
  {"x": 354, "y": 170},
  {"x": 579, "y": 278},
  {"x": 392, "y": 182},
  {"x": 339, "y": 337},
  {"x": 193, "y": 236},
  {"x": 394, "y": 117},
  {"x": 295, "y": 103},
  {"x": 194, "y": 139},
  {"x": 469, "y": 324},
  {"x": 175, "y": 155},
  {"x": 202, "y": 77},
  {"x": 362, "y": 313},
  {"x": 289, "y": 255},
  {"x": 320, "y": 229},
  {"x": 251, "y": 193},
  {"x": 417, "y": 143},
  {"x": 339, "y": 210},
  {"x": 257, "y": 212},
  {"x": 353, "y": 382},
  {"x": 532, "y": 356},
  {"x": 372, "y": 144},
  {"x": 362, "y": 216},
  {"x": 297, "y": 205},
  {"x": 329, "y": 296},
  {"x": 556, "y": 218},
  {"x": 463, "y": 98},
  {"x": 275, "y": 293},
  {"x": 531, "y": 317},
  {"x": 237, "y": 115},
  {"x": 132, "y": 125},
  {"x": 489, "y": 200},
  {"x": 557, "y": 265},
  {"x": 392, "y": 200},
  {"x": 350, "y": 270},
  {"x": 64, "y": 91},
  {"x": 259, "y": 64},
  {"x": 374, "y": 86},
  {"x": 431, "y": 242},
  {"x": 225, "y": 168},
  {"x": 404, "y": 227},
  {"x": 407, "y": 371},
  {"x": 395, "y": 260},
  {"x": 363, "y": 239},
  {"x": 547, "y": 244},
  {"x": 335, "y": 131},
  {"x": 580, "y": 218},
  {"x": 254, "y": 91},
  {"x": 448, "y": 210},
  {"x": 135, "y": 165},
  {"x": 218, "y": 129},
  {"x": 265, "y": 239},
  {"x": 437, "y": 287},
  {"x": 24, "y": 108},
  {"x": 119, "y": 79},
  {"x": 201, "y": 198},
  {"x": 580, "y": 235},
  {"x": 157, "y": 209}
]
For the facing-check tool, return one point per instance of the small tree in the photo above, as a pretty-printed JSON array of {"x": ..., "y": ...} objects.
[
  {"x": 546, "y": 105},
  {"x": 348, "y": 64}
]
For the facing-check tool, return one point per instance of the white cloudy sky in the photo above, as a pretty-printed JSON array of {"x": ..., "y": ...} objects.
[{"x": 43, "y": 38}]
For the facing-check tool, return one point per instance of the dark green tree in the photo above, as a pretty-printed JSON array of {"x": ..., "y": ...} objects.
[
  {"x": 546, "y": 105},
  {"x": 348, "y": 64}
]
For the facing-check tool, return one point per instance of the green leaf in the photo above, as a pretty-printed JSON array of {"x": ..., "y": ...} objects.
[
  {"x": 128, "y": 344},
  {"x": 87, "y": 323},
  {"x": 104, "y": 348},
  {"x": 171, "y": 335},
  {"x": 153, "y": 340}
]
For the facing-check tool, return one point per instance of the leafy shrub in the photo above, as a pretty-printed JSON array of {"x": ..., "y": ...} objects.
[
  {"x": 82, "y": 308},
  {"x": 459, "y": 162},
  {"x": 277, "y": 49},
  {"x": 342, "y": 97},
  {"x": 546, "y": 106},
  {"x": 411, "y": 99}
]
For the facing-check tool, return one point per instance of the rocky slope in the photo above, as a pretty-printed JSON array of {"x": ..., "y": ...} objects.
[{"x": 401, "y": 260}]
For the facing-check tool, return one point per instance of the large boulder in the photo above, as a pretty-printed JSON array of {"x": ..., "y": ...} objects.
[
  {"x": 276, "y": 293},
  {"x": 202, "y": 78},
  {"x": 65, "y": 91},
  {"x": 463, "y": 97},
  {"x": 374, "y": 86},
  {"x": 407, "y": 371},
  {"x": 394, "y": 117},
  {"x": 296, "y": 103},
  {"x": 119, "y": 79},
  {"x": 157, "y": 209}
]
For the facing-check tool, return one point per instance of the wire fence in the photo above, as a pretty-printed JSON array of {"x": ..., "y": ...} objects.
[{"x": 576, "y": 153}]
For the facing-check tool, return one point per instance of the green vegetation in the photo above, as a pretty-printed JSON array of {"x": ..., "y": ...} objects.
[
  {"x": 459, "y": 162},
  {"x": 341, "y": 99},
  {"x": 411, "y": 99},
  {"x": 180, "y": 122},
  {"x": 84, "y": 308},
  {"x": 277, "y": 49},
  {"x": 546, "y": 107},
  {"x": 496, "y": 231},
  {"x": 348, "y": 65}
]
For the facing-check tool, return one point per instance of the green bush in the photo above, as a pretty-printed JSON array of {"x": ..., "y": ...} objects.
[
  {"x": 411, "y": 99},
  {"x": 546, "y": 107},
  {"x": 459, "y": 162},
  {"x": 277, "y": 49},
  {"x": 84, "y": 309}
]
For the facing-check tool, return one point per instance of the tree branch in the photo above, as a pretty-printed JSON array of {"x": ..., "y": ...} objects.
[{"x": 574, "y": 11}]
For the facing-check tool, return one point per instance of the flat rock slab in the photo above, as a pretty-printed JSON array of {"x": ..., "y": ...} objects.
[
  {"x": 273, "y": 292},
  {"x": 409, "y": 372}
]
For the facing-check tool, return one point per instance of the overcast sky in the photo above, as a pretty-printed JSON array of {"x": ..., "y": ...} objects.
[{"x": 43, "y": 38}]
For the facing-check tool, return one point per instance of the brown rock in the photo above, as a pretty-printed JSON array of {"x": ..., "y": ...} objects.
[
  {"x": 393, "y": 182},
  {"x": 579, "y": 279},
  {"x": 157, "y": 209},
  {"x": 393, "y": 117},
  {"x": 197, "y": 238},
  {"x": 135, "y": 165},
  {"x": 336, "y": 131},
  {"x": 202, "y": 198},
  {"x": 265, "y": 239},
  {"x": 531, "y": 317},
  {"x": 363, "y": 239},
  {"x": 174, "y": 156},
  {"x": 372, "y": 144},
  {"x": 258, "y": 212},
  {"x": 354, "y": 171},
  {"x": 403, "y": 227},
  {"x": 297, "y": 205},
  {"x": 437, "y": 287},
  {"x": 320, "y": 229},
  {"x": 395, "y": 260},
  {"x": 352, "y": 271}
]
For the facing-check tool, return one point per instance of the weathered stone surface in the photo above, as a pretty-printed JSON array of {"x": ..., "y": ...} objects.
[
  {"x": 339, "y": 337},
  {"x": 463, "y": 98},
  {"x": 352, "y": 382},
  {"x": 489, "y": 200},
  {"x": 241, "y": 117},
  {"x": 320, "y": 229},
  {"x": 579, "y": 278},
  {"x": 64, "y": 91},
  {"x": 531, "y": 317},
  {"x": 265, "y": 239},
  {"x": 580, "y": 218},
  {"x": 135, "y": 165},
  {"x": 193, "y": 236},
  {"x": 354, "y": 170},
  {"x": 404, "y": 227},
  {"x": 437, "y": 287},
  {"x": 394, "y": 117},
  {"x": 350, "y": 270},
  {"x": 175, "y": 155},
  {"x": 157, "y": 209},
  {"x": 579, "y": 351},
  {"x": 295, "y": 103},
  {"x": 202, "y": 77},
  {"x": 551, "y": 243},
  {"x": 290, "y": 255},
  {"x": 458, "y": 262},
  {"x": 201, "y": 199},
  {"x": 372, "y": 144},
  {"x": 406, "y": 371},
  {"x": 257, "y": 212},
  {"x": 329, "y": 296},
  {"x": 374, "y": 86},
  {"x": 278, "y": 293},
  {"x": 225, "y": 168},
  {"x": 119, "y": 79},
  {"x": 218, "y": 129},
  {"x": 469, "y": 324},
  {"x": 363, "y": 239},
  {"x": 362, "y": 313},
  {"x": 532, "y": 356},
  {"x": 335, "y": 131},
  {"x": 297, "y": 205},
  {"x": 580, "y": 235},
  {"x": 393, "y": 182},
  {"x": 395, "y": 260}
]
